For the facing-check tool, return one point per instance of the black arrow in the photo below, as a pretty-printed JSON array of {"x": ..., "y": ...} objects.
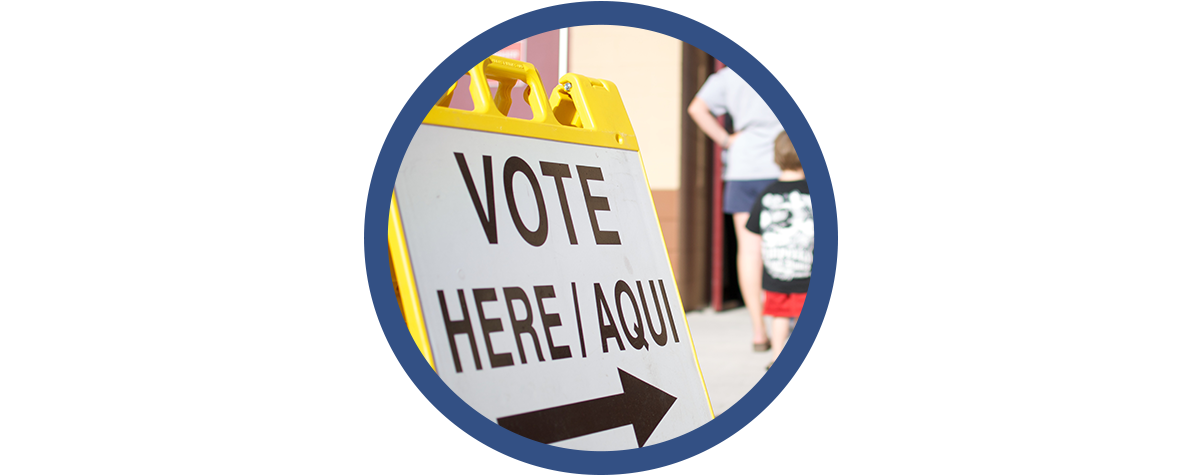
[{"x": 641, "y": 405}]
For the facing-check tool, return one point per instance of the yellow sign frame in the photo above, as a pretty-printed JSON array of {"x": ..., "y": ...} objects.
[{"x": 579, "y": 110}]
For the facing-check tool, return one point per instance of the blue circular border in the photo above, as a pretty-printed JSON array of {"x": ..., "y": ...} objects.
[{"x": 392, "y": 320}]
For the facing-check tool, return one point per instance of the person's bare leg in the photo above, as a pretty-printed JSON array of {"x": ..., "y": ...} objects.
[
  {"x": 780, "y": 329},
  {"x": 749, "y": 269}
]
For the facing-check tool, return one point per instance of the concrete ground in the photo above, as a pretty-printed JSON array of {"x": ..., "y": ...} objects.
[{"x": 723, "y": 346}]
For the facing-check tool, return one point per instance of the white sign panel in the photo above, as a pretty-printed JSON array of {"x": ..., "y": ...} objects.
[{"x": 546, "y": 288}]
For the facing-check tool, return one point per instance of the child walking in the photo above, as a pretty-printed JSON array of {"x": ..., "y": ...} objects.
[{"x": 782, "y": 214}]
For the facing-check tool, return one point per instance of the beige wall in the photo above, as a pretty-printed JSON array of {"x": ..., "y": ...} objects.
[{"x": 646, "y": 68}]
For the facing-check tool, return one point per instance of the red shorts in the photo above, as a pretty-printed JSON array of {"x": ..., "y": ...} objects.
[{"x": 783, "y": 304}]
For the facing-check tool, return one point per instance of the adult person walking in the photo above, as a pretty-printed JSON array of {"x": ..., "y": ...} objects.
[{"x": 749, "y": 161}]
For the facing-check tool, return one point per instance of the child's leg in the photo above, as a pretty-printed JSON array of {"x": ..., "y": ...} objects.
[{"x": 780, "y": 329}]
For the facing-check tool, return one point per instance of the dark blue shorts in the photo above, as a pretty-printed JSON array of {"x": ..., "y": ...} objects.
[{"x": 740, "y": 194}]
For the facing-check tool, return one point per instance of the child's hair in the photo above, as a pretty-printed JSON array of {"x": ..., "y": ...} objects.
[{"x": 785, "y": 153}]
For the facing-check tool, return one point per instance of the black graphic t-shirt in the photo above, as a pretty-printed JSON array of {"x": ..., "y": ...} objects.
[{"x": 783, "y": 216}]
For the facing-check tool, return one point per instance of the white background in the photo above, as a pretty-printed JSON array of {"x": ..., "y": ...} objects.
[{"x": 182, "y": 193}]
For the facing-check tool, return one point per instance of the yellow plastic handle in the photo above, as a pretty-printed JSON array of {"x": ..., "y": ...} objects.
[
  {"x": 579, "y": 110},
  {"x": 507, "y": 72}
]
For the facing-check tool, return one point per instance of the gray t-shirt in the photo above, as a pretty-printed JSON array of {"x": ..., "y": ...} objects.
[{"x": 752, "y": 155}]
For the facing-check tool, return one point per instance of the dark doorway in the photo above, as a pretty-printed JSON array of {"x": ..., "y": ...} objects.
[{"x": 708, "y": 274}]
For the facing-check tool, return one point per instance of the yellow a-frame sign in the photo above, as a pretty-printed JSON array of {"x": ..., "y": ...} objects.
[{"x": 531, "y": 269}]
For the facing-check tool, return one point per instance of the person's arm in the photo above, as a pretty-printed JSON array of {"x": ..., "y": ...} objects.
[
  {"x": 754, "y": 222},
  {"x": 709, "y": 124}
]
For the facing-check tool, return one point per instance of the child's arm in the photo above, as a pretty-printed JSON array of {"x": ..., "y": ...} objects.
[{"x": 753, "y": 222}]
